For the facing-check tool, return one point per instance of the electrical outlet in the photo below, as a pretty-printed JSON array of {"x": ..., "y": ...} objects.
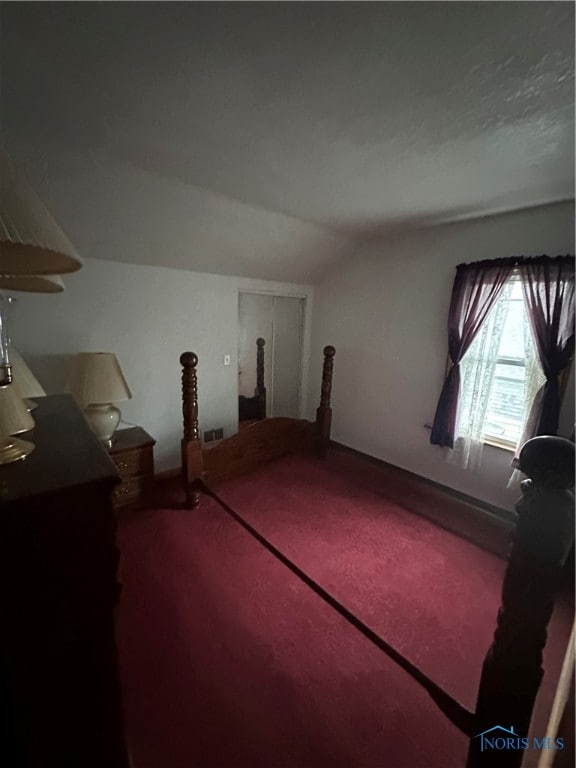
[{"x": 227, "y": 359}]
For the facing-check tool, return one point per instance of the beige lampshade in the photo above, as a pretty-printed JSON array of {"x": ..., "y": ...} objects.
[
  {"x": 31, "y": 242},
  {"x": 14, "y": 416},
  {"x": 24, "y": 381},
  {"x": 32, "y": 283},
  {"x": 97, "y": 379}
]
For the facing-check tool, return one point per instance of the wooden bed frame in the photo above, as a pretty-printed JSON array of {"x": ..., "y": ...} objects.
[
  {"x": 255, "y": 407},
  {"x": 254, "y": 445},
  {"x": 512, "y": 669}
]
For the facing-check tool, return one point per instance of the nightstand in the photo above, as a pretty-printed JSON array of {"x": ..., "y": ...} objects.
[{"x": 132, "y": 452}]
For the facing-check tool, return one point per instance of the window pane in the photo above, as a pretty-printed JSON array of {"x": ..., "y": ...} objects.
[
  {"x": 506, "y": 406},
  {"x": 512, "y": 343},
  {"x": 496, "y": 377},
  {"x": 516, "y": 372},
  {"x": 501, "y": 428},
  {"x": 516, "y": 293}
]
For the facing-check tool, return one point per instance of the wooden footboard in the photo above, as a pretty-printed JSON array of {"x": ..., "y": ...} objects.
[{"x": 254, "y": 445}]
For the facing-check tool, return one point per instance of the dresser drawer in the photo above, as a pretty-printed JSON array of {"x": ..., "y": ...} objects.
[
  {"x": 138, "y": 462},
  {"x": 131, "y": 490},
  {"x": 132, "y": 451}
]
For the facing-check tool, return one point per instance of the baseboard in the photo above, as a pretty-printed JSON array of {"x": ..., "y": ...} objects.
[{"x": 485, "y": 525}]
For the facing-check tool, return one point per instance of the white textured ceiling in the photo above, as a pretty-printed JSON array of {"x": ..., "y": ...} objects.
[{"x": 270, "y": 139}]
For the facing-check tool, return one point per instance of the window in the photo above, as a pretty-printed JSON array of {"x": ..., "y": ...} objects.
[
  {"x": 500, "y": 374},
  {"x": 494, "y": 392}
]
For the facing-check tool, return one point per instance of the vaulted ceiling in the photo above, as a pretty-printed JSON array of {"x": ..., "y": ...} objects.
[{"x": 272, "y": 139}]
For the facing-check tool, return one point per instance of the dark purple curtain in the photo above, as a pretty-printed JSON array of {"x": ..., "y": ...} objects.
[
  {"x": 476, "y": 288},
  {"x": 548, "y": 286}
]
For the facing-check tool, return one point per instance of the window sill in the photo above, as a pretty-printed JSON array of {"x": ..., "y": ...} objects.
[
  {"x": 493, "y": 442},
  {"x": 504, "y": 445}
]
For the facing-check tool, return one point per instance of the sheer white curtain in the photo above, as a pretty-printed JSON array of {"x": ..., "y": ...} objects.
[
  {"x": 477, "y": 371},
  {"x": 533, "y": 392}
]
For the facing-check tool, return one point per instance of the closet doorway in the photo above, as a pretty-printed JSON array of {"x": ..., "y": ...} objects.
[{"x": 279, "y": 320}]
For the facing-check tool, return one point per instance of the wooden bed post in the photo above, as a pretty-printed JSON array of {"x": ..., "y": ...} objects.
[
  {"x": 512, "y": 670},
  {"x": 260, "y": 388},
  {"x": 324, "y": 412},
  {"x": 192, "y": 468}
]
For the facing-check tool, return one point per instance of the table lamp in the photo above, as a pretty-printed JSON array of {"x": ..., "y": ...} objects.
[
  {"x": 31, "y": 242},
  {"x": 14, "y": 419},
  {"x": 32, "y": 245},
  {"x": 32, "y": 283},
  {"x": 97, "y": 382}
]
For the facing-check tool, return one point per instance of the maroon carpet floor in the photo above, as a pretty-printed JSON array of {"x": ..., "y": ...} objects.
[{"x": 229, "y": 661}]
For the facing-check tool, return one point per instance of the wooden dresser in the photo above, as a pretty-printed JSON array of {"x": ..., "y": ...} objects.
[
  {"x": 132, "y": 452},
  {"x": 59, "y": 682}
]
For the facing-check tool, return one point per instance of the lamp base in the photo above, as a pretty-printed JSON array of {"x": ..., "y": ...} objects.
[
  {"x": 14, "y": 449},
  {"x": 103, "y": 419},
  {"x": 5, "y": 370}
]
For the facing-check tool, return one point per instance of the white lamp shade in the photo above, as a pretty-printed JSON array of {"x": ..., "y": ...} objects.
[
  {"x": 97, "y": 379},
  {"x": 32, "y": 283},
  {"x": 23, "y": 380},
  {"x": 14, "y": 416},
  {"x": 31, "y": 242}
]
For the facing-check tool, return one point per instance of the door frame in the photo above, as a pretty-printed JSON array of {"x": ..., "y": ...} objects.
[{"x": 307, "y": 296}]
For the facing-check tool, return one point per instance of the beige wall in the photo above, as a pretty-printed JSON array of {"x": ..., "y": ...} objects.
[
  {"x": 386, "y": 313},
  {"x": 147, "y": 316}
]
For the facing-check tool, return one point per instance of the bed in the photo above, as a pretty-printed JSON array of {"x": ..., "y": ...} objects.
[
  {"x": 512, "y": 670},
  {"x": 257, "y": 443}
]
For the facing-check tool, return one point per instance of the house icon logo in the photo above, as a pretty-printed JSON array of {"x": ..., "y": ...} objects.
[{"x": 499, "y": 737}]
